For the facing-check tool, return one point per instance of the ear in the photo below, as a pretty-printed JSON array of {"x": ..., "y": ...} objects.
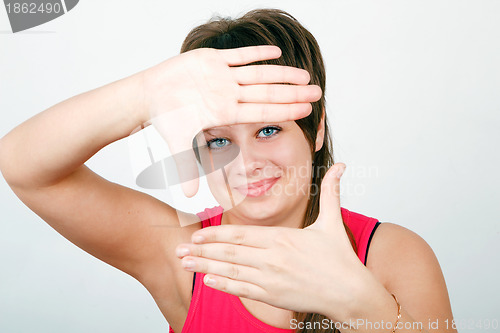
[{"x": 321, "y": 132}]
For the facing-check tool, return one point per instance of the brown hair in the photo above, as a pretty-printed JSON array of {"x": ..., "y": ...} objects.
[{"x": 299, "y": 49}]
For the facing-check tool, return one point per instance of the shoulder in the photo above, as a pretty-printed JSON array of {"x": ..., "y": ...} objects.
[
  {"x": 407, "y": 267},
  {"x": 396, "y": 253}
]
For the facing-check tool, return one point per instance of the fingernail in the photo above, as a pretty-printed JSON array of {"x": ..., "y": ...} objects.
[
  {"x": 209, "y": 281},
  {"x": 182, "y": 251},
  {"x": 198, "y": 239}
]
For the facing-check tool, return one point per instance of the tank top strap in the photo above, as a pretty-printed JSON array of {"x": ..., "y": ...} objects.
[
  {"x": 214, "y": 311},
  {"x": 211, "y": 216},
  {"x": 362, "y": 228}
]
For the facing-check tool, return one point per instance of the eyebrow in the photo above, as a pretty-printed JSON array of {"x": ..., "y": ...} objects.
[{"x": 209, "y": 131}]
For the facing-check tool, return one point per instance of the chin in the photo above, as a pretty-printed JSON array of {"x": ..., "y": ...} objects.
[
  {"x": 268, "y": 205},
  {"x": 258, "y": 212}
]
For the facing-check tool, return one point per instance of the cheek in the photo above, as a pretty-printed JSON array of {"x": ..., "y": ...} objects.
[
  {"x": 294, "y": 154},
  {"x": 223, "y": 193},
  {"x": 285, "y": 153},
  {"x": 297, "y": 162}
]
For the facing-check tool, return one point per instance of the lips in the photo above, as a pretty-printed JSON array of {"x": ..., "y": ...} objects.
[{"x": 258, "y": 188}]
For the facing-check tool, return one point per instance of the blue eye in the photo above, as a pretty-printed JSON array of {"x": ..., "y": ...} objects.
[
  {"x": 217, "y": 143},
  {"x": 221, "y": 143},
  {"x": 269, "y": 131}
]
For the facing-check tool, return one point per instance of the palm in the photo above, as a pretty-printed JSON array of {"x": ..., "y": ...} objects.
[{"x": 201, "y": 89}]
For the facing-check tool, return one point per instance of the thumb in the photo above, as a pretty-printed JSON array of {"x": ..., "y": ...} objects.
[
  {"x": 187, "y": 169},
  {"x": 180, "y": 143},
  {"x": 330, "y": 216}
]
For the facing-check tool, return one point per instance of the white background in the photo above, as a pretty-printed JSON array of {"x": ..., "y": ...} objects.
[{"x": 412, "y": 97}]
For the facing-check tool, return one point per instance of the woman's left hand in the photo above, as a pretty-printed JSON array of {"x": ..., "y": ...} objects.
[{"x": 305, "y": 270}]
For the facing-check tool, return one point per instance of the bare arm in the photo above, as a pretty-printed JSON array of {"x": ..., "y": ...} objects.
[
  {"x": 42, "y": 159},
  {"x": 51, "y": 145},
  {"x": 406, "y": 266}
]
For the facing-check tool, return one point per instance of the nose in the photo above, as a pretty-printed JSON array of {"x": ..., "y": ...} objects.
[{"x": 252, "y": 160}]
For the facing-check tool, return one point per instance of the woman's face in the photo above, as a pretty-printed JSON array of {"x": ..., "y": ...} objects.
[{"x": 261, "y": 169}]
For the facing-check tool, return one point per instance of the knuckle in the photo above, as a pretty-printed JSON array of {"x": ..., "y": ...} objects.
[
  {"x": 229, "y": 252},
  {"x": 244, "y": 292},
  {"x": 234, "y": 272},
  {"x": 211, "y": 235},
  {"x": 283, "y": 240},
  {"x": 223, "y": 286},
  {"x": 239, "y": 236},
  {"x": 276, "y": 268},
  {"x": 273, "y": 265},
  {"x": 202, "y": 265},
  {"x": 199, "y": 250}
]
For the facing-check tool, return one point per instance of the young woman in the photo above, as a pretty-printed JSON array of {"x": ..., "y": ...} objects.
[{"x": 279, "y": 254}]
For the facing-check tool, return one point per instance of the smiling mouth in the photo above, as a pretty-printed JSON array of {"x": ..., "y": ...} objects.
[{"x": 258, "y": 188}]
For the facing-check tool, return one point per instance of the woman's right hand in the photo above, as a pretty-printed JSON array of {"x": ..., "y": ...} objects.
[{"x": 202, "y": 88}]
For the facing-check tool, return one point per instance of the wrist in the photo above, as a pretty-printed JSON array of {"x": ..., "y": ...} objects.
[
  {"x": 158, "y": 85},
  {"x": 136, "y": 105},
  {"x": 367, "y": 297},
  {"x": 372, "y": 302}
]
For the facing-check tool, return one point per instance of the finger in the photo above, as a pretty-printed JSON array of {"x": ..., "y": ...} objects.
[
  {"x": 187, "y": 169},
  {"x": 229, "y": 270},
  {"x": 248, "y": 54},
  {"x": 264, "y": 113},
  {"x": 329, "y": 205},
  {"x": 231, "y": 253},
  {"x": 234, "y": 287},
  {"x": 259, "y": 74},
  {"x": 278, "y": 93},
  {"x": 248, "y": 235},
  {"x": 179, "y": 142}
]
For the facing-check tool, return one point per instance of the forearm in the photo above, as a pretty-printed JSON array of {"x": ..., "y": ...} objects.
[{"x": 52, "y": 144}]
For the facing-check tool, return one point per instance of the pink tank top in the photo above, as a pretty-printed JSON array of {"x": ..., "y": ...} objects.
[{"x": 213, "y": 311}]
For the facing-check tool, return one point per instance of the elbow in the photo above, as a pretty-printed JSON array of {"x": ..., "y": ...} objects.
[
  {"x": 6, "y": 167},
  {"x": 3, "y": 159},
  {"x": 2, "y": 155}
]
